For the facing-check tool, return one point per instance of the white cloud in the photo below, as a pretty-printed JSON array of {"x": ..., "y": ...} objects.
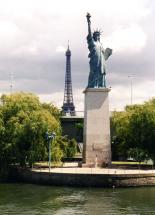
[
  {"x": 60, "y": 49},
  {"x": 120, "y": 96},
  {"x": 133, "y": 9},
  {"x": 55, "y": 98},
  {"x": 130, "y": 39}
]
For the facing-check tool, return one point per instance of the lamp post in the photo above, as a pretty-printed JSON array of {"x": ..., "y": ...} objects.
[{"x": 49, "y": 138}]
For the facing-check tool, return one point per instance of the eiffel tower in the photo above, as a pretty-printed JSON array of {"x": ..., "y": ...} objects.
[{"x": 68, "y": 107}]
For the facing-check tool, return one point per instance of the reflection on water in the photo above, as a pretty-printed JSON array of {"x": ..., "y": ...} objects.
[{"x": 27, "y": 199}]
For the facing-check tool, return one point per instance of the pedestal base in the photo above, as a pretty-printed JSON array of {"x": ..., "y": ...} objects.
[{"x": 97, "y": 147}]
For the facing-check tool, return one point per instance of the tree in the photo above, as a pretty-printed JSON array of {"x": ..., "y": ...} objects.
[
  {"x": 2, "y": 143},
  {"x": 137, "y": 154},
  {"x": 79, "y": 126},
  {"x": 134, "y": 128},
  {"x": 142, "y": 128},
  {"x": 71, "y": 148},
  {"x": 63, "y": 148},
  {"x": 23, "y": 124},
  {"x": 54, "y": 111},
  {"x": 120, "y": 134}
]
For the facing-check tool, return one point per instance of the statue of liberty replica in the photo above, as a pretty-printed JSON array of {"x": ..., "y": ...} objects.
[
  {"x": 96, "y": 147},
  {"x": 98, "y": 57}
]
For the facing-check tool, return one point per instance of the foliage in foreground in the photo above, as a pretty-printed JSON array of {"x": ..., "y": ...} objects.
[
  {"x": 23, "y": 124},
  {"x": 133, "y": 132},
  {"x": 63, "y": 148}
]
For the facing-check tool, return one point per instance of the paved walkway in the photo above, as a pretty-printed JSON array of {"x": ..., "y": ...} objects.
[{"x": 69, "y": 168}]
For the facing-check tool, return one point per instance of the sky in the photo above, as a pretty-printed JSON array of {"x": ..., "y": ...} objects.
[{"x": 34, "y": 35}]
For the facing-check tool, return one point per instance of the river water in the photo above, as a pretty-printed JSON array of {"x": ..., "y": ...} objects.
[{"x": 26, "y": 199}]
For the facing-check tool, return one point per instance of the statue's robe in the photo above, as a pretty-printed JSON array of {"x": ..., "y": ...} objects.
[{"x": 97, "y": 56}]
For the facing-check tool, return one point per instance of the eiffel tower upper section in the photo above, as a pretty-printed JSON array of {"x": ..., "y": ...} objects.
[{"x": 68, "y": 107}]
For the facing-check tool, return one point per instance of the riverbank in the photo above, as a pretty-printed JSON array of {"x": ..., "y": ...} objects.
[{"x": 87, "y": 177}]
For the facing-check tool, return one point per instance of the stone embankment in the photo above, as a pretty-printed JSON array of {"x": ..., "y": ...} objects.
[{"x": 95, "y": 177}]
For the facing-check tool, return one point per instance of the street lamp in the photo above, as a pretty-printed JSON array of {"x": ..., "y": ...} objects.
[{"x": 49, "y": 138}]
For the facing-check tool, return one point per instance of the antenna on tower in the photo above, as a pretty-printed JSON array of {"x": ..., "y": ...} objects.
[
  {"x": 11, "y": 82},
  {"x": 68, "y": 44}
]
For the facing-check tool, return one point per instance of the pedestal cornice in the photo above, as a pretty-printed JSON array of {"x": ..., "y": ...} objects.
[{"x": 97, "y": 90}]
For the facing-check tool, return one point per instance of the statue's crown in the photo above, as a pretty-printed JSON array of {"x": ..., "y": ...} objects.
[{"x": 97, "y": 32}]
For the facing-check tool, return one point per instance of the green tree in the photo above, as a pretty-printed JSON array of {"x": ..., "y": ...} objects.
[
  {"x": 134, "y": 128},
  {"x": 3, "y": 161},
  {"x": 120, "y": 133},
  {"x": 54, "y": 111},
  {"x": 137, "y": 154},
  {"x": 63, "y": 148},
  {"x": 79, "y": 126},
  {"x": 71, "y": 148},
  {"x": 23, "y": 124}
]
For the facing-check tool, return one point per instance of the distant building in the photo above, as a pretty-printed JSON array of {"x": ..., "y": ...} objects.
[{"x": 72, "y": 126}]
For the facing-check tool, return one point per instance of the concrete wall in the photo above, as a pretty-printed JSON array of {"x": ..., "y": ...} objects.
[{"x": 86, "y": 180}]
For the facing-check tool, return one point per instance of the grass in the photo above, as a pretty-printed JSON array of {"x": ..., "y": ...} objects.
[
  {"x": 45, "y": 164},
  {"x": 129, "y": 163},
  {"x": 60, "y": 164}
]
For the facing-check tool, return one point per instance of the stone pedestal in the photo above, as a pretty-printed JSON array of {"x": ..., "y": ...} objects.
[{"x": 97, "y": 147}]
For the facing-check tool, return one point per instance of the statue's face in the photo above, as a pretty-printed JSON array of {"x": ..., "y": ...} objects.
[{"x": 96, "y": 37}]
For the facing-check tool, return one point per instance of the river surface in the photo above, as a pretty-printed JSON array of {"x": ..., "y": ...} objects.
[{"x": 26, "y": 199}]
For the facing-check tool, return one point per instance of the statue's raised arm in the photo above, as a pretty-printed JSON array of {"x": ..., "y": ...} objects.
[{"x": 89, "y": 24}]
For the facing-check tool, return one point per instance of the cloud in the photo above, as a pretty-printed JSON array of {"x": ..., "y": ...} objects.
[
  {"x": 61, "y": 49},
  {"x": 120, "y": 96},
  {"x": 130, "y": 39},
  {"x": 55, "y": 98},
  {"x": 33, "y": 40}
]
